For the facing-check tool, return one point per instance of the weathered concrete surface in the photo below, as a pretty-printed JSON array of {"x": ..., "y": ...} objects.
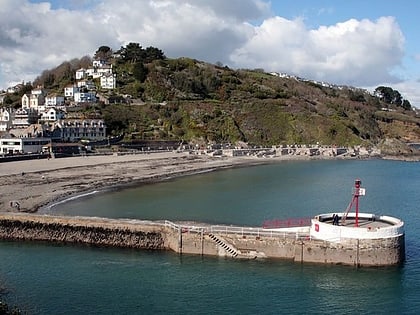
[
  {"x": 377, "y": 252},
  {"x": 161, "y": 236}
]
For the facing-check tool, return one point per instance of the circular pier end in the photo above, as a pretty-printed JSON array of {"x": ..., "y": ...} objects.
[{"x": 370, "y": 226}]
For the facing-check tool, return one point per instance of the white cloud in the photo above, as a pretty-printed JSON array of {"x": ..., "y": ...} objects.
[
  {"x": 35, "y": 37},
  {"x": 351, "y": 52},
  {"x": 410, "y": 91},
  {"x": 199, "y": 29}
]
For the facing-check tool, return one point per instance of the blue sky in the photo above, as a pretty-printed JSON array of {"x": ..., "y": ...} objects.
[{"x": 358, "y": 43}]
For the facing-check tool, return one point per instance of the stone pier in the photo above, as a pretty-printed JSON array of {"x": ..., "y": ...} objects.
[{"x": 200, "y": 239}]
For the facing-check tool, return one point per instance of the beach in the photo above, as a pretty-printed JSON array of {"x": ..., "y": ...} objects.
[
  {"x": 26, "y": 186},
  {"x": 29, "y": 185}
]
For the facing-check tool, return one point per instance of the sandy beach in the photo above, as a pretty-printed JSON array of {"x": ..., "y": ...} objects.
[{"x": 28, "y": 185}]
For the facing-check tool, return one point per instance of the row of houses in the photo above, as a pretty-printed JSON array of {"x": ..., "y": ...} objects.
[
  {"x": 35, "y": 137},
  {"x": 82, "y": 91},
  {"x": 61, "y": 130},
  {"x": 100, "y": 70},
  {"x": 43, "y": 115}
]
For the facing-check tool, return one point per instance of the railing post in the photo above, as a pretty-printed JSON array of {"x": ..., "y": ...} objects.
[
  {"x": 202, "y": 242},
  {"x": 180, "y": 239}
]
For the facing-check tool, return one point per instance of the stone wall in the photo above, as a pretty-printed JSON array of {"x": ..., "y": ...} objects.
[
  {"x": 378, "y": 252},
  {"x": 159, "y": 236},
  {"x": 80, "y": 231}
]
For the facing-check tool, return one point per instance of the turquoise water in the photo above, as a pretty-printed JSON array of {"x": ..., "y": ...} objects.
[{"x": 56, "y": 279}]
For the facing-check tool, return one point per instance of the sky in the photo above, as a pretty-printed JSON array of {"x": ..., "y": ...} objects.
[{"x": 360, "y": 43}]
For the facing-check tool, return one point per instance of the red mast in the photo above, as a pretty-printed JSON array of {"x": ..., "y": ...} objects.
[
  {"x": 356, "y": 197},
  {"x": 358, "y": 191}
]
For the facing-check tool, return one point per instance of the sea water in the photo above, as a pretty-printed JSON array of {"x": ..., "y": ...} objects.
[{"x": 43, "y": 278}]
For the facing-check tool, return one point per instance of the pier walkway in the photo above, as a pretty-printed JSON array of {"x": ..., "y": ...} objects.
[{"x": 240, "y": 242}]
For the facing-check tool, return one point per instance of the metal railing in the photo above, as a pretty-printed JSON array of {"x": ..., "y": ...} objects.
[
  {"x": 296, "y": 222},
  {"x": 237, "y": 230}
]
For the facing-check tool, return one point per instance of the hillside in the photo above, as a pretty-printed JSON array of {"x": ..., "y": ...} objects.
[
  {"x": 188, "y": 99},
  {"x": 158, "y": 98}
]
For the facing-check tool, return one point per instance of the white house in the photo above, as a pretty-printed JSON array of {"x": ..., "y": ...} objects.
[
  {"x": 69, "y": 91},
  {"x": 6, "y": 117},
  {"x": 54, "y": 100},
  {"x": 33, "y": 101},
  {"x": 52, "y": 114},
  {"x": 97, "y": 63},
  {"x": 108, "y": 81},
  {"x": 38, "y": 91},
  {"x": 14, "y": 89},
  {"x": 105, "y": 69},
  {"x": 25, "y": 100},
  {"x": 76, "y": 129},
  {"x": 23, "y": 117},
  {"x": 96, "y": 73},
  {"x": 88, "y": 84},
  {"x": 17, "y": 118},
  {"x": 80, "y": 74},
  {"x": 82, "y": 97}
]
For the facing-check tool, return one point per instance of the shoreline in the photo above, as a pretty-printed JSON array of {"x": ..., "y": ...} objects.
[
  {"x": 33, "y": 186},
  {"x": 30, "y": 186}
]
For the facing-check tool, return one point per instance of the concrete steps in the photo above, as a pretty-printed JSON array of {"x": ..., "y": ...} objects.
[{"x": 227, "y": 247}]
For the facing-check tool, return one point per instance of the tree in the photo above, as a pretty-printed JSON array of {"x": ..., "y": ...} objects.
[
  {"x": 396, "y": 98},
  {"x": 27, "y": 88},
  {"x": 357, "y": 96},
  {"x": 384, "y": 93},
  {"x": 7, "y": 100},
  {"x": 406, "y": 105},
  {"x": 103, "y": 53},
  {"x": 48, "y": 78},
  {"x": 140, "y": 71},
  {"x": 133, "y": 52},
  {"x": 389, "y": 95},
  {"x": 153, "y": 53}
]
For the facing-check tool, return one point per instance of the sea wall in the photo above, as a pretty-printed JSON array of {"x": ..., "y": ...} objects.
[
  {"x": 363, "y": 252},
  {"x": 358, "y": 252},
  {"x": 101, "y": 232},
  {"x": 200, "y": 241}
]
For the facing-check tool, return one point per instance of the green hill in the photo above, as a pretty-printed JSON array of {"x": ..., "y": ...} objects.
[{"x": 159, "y": 98}]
